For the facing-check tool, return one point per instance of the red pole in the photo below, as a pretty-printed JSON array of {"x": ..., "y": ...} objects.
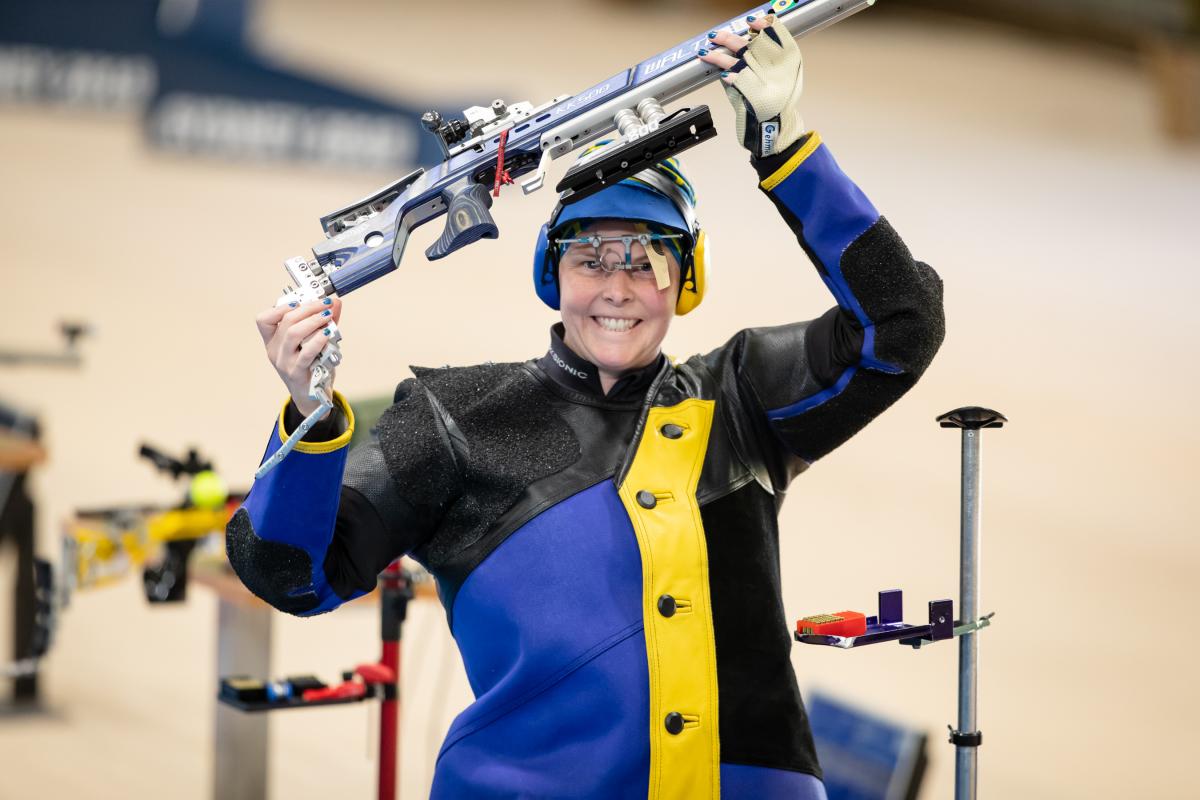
[
  {"x": 395, "y": 593},
  {"x": 389, "y": 717}
]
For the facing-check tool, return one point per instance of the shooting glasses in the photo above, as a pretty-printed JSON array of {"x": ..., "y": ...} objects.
[{"x": 658, "y": 260}]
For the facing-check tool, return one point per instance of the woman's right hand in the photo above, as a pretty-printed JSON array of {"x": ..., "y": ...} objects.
[{"x": 294, "y": 336}]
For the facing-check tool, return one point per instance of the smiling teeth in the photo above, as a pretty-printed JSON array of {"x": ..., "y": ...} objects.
[{"x": 615, "y": 325}]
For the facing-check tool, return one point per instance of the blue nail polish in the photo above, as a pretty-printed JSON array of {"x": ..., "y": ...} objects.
[
  {"x": 328, "y": 301},
  {"x": 292, "y": 305},
  {"x": 712, "y": 34},
  {"x": 750, "y": 18},
  {"x": 724, "y": 74},
  {"x": 326, "y": 313},
  {"x": 702, "y": 52},
  {"x": 327, "y": 331}
]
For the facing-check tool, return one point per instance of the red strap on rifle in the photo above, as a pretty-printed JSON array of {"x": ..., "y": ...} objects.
[{"x": 502, "y": 176}]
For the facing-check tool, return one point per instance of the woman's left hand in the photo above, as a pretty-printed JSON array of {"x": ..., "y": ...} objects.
[{"x": 764, "y": 76}]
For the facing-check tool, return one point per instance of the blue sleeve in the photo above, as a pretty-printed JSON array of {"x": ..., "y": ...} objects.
[
  {"x": 278, "y": 540},
  {"x": 871, "y": 348}
]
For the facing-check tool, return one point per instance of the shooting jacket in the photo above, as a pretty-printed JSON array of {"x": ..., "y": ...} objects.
[{"x": 609, "y": 565}]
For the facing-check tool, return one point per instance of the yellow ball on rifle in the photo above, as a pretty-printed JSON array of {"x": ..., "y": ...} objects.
[{"x": 207, "y": 490}]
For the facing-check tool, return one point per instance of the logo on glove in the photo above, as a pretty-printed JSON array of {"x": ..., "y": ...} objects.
[{"x": 770, "y": 132}]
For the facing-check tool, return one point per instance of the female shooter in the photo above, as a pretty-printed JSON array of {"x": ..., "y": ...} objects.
[{"x": 601, "y": 522}]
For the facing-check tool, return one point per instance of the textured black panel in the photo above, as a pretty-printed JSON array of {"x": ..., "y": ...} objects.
[
  {"x": 514, "y": 436},
  {"x": 903, "y": 300},
  {"x": 901, "y": 296},
  {"x": 418, "y": 455},
  {"x": 377, "y": 521},
  {"x": 820, "y": 430},
  {"x": 272, "y": 570},
  {"x": 603, "y": 430},
  {"x": 762, "y": 717},
  {"x": 367, "y": 474}
]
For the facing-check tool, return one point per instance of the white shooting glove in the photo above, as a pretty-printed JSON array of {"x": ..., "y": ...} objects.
[{"x": 765, "y": 93}]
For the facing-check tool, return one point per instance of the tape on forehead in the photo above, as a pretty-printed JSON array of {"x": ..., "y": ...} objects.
[{"x": 658, "y": 262}]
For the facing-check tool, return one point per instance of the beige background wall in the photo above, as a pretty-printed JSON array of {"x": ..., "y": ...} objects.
[{"x": 1028, "y": 172}]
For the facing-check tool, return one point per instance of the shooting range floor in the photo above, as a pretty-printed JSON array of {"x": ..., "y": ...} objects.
[{"x": 1030, "y": 173}]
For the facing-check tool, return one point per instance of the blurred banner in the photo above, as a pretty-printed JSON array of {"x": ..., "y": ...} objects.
[
  {"x": 1123, "y": 20},
  {"x": 188, "y": 66},
  {"x": 1164, "y": 33}
]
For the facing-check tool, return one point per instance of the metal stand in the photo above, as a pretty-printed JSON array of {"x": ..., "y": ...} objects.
[
  {"x": 395, "y": 590},
  {"x": 242, "y": 741},
  {"x": 242, "y": 731},
  {"x": 967, "y": 738}
]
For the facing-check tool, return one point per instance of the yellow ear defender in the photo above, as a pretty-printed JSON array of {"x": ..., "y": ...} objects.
[{"x": 692, "y": 292}]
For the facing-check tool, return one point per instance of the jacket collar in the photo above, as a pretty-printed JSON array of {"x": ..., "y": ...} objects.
[{"x": 576, "y": 373}]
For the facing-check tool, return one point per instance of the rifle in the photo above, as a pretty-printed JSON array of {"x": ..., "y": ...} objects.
[
  {"x": 103, "y": 543},
  {"x": 492, "y": 145}
]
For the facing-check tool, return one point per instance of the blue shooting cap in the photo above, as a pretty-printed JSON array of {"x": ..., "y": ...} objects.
[{"x": 627, "y": 200}]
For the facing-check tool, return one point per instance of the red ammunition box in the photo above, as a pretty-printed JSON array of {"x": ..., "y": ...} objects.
[{"x": 842, "y": 623}]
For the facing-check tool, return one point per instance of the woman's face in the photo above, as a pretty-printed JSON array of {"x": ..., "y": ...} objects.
[{"x": 617, "y": 320}]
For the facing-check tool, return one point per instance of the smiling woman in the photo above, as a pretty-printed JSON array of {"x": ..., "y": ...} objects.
[
  {"x": 595, "y": 516},
  {"x": 614, "y": 313}
]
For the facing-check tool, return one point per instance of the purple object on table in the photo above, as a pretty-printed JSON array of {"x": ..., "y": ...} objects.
[{"x": 891, "y": 606}]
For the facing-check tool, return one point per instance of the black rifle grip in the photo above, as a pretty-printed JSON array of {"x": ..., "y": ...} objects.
[{"x": 467, "y": 220}]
